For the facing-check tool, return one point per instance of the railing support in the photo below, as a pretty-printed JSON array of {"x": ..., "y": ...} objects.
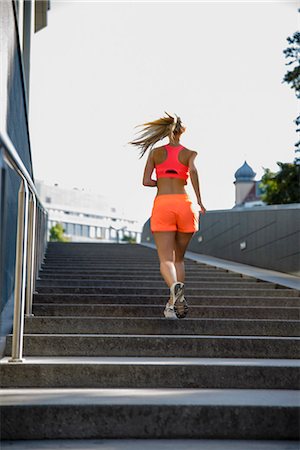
[
  {"x": 40, "y": 240},
  {"x": 29, "y": 249},
  {"x": 37, "y": 240},
  {"x": 20, "y": 273},
  {"x": 30, "y": 255}
]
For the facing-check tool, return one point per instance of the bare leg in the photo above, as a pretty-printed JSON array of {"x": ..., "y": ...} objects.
[
  {"x": 165, "y": 244},
  {"x": 181, "y": 242}
]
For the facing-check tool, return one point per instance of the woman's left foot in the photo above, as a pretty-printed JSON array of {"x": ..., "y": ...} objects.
[{"x": 179, "y": 302}]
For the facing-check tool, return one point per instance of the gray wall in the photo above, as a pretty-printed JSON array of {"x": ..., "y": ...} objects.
[{"x": 271, "y": 235}]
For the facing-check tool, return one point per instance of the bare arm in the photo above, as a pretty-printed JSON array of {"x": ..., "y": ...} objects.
[
  {"x": 149, "y": 167},
  {"x": 195, "y": 180}
]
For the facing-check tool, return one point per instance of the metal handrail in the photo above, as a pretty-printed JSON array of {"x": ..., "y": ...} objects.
[
  {"x": 15, "y": 160},
  {"x": 30, "y": 246}
]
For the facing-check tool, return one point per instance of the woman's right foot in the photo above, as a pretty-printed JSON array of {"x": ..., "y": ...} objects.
[
  {"x": 179, "y": 302},
  {"x": 169, "y": 312}
]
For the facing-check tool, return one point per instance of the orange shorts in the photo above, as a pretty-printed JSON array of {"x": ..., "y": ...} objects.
[{"x": 174, "y": 212}]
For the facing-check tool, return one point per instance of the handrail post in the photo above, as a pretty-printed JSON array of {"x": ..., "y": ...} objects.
[
  {"x": 35, "y": 247},
  {"x": 40, "y": 239},
  {"x": 45, "y": 232},
  {"x": 20, "y": 273},
  {"x": 37, "y": 254},
  {"x": 30, "y": 254}
]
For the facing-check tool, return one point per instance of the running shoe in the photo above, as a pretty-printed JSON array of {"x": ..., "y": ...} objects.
[
  {"x": 169, "y": 312},
  {"x": 179, "y": 302}
]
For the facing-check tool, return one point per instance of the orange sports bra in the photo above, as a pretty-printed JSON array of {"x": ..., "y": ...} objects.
[{"x": 172, "y": 167}]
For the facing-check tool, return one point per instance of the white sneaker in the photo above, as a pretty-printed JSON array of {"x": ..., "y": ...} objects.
[
  {"x": 179, "y": 302},
  {"x": 169, "y": 312}
]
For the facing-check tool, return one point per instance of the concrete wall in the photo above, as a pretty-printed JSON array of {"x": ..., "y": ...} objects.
[
  {"x": 264, "y": 236},
  {"x": 13, "y": 116},
  {"x": 13, "y": 91}
]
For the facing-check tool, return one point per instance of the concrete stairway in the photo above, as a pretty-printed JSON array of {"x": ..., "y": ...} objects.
[{"x": 101, "y": 361}]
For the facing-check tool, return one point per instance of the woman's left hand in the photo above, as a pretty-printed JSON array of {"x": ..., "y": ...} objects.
[{"x": 202, "y": 208}]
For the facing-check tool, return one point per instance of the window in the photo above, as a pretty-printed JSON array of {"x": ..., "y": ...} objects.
[
  {"x": 92, "y": 232},
  {"x": 85, "y": 230},
  {"x": 70, "y": 228},
  {"x": 78, "y": 229}
]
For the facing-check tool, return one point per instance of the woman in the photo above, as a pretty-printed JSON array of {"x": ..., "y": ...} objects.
[{"x": 173, "y": 219}]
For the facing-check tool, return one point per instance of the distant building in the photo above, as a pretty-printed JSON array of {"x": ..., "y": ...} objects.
[
  {"x": 32, "y": 16},
  {"x": 86, "y": 216},
  {"x": 247, "y": 190}
]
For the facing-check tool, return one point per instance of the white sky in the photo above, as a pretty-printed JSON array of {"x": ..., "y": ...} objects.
[{"x": 101, "y": 68}]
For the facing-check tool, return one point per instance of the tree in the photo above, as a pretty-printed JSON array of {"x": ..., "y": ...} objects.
[
  {"x": 57, "y": 233},
  {"x": 284, "y": 186},
  {"x": 281, "y": 187},
  {"x": 129, "y": 239},
  {"x": 293, "y": 77},
  {"x": 293, "y": 51}
]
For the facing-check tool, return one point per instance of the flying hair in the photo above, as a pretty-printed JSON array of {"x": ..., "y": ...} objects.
[{"x": 156, "y": 131}]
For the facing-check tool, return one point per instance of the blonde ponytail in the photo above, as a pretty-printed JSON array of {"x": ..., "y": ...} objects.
[{"x": 156, "y": 131}]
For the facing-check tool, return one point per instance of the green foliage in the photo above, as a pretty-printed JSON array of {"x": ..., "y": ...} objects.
[
  {"x": 283, "y": 186},
  {"x": 293, "y": 77},
  {"x": 293, "y": 52},
  {"x": 129, "y": 239},
  {"x": 57, "y": 233}
]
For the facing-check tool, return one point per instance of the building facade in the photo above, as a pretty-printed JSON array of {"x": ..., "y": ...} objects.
[{"x": 86, "y": 216}]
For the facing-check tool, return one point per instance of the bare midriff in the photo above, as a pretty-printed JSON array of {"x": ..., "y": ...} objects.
[{"x": 170, "y": 186}]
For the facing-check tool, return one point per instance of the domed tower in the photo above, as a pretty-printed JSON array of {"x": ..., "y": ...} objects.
[{"x": 244, "y": 184}]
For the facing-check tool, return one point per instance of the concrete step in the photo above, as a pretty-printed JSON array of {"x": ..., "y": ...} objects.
[
  {"x": 139, "y": 311},
  {"x": 153, "y": 284},
  {"x": 109, "y": 372},
  {"x": 152, "y": 300},
  {"x": 150, "y": 444},
  {"x": 113, "y": 366},
  {"x": 140, "y": 274},
  {"x": 141, "y": 290},
  {"x": 126, "y": 267},
  {"x": 150, "y": 413},
  {"x": 111, "y": 257},
  {"x": 128, "y": 271},
  {"x": 101, "y": 248},
  {"x": 139, "y": 278},
  {"x": 102, "y": 253},
  {"x": 105, "y": 263},
  {"x": 102, "y": 256},
  {"x": 162, "y": 345},
  {"x": 161, "y": 326},
  {"x": 110, "y": 262},
  {"x": 139, "y": 268}
]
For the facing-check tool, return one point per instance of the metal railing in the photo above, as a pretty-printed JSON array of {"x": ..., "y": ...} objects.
[{"x": 30, "y": 246}]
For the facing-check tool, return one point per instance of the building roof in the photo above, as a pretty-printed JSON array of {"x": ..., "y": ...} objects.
[{"x": 244, "y": 173}]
